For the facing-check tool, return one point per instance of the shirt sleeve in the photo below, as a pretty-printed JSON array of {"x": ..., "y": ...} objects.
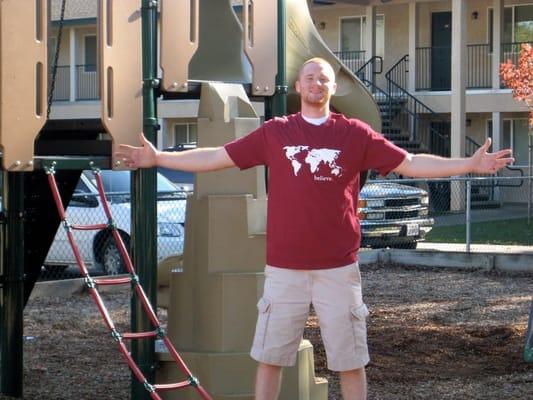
[
  {"x": 250, "y": 150},
  {"x": 381, "y": 154}
]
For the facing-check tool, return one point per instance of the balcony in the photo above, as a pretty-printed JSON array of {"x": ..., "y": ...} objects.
[
  {"x": 84, "y": 81},
  {"x": 433, "y": 66},
  {"x": 352, "y": 59}
]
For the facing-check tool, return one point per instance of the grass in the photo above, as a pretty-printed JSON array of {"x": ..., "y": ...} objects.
[{"x": 505, "y": 232}]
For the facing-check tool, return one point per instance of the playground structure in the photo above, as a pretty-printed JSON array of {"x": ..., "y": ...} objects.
[{"x": 201, "y": 41}]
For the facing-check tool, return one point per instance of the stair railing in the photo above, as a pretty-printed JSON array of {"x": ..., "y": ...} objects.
[
  {"x": 471, "y": 146},
  {"x": 423, "y": 130},
  {"x": 368, "y": 71},
  {"x": 367, "y": 74}
]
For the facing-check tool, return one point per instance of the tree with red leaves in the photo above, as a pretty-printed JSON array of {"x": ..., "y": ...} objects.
[{"x": 520, "y": 78}]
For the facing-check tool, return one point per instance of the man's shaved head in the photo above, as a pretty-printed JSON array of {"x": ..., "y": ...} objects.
[
  {"x": 315, "y": 85},
  {"x": 317, "y": 60}
]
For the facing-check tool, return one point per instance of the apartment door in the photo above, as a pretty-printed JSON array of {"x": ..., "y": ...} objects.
[{"x": 441, "y": 50}]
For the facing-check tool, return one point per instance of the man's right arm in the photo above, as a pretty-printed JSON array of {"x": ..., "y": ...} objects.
[{"x": 197, "y": 160}]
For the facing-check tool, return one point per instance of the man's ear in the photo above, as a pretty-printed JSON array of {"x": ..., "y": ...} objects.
[
  {"x": 297, "y": 86},
  {"x": 334, "y": 88}
]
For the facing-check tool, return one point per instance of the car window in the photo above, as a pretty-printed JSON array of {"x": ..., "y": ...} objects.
[
  {"x": 120, "y": 182},
  {"x": 82, "y": 187},
  {"x": 177, "y": 177},
  {"x": 164, "y": 185},
  {"x": 116, "y": 181}
]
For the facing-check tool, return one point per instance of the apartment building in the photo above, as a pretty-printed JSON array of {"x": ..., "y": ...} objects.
[{"x": 442, "y": 59}]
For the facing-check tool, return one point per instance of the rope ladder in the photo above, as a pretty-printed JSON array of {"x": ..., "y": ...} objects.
[{"x": 93, "y": 283}]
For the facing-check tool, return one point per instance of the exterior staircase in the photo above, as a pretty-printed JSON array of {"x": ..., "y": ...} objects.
[
  {"x": 413, "y": 126},
  {"x": 399, "y": 121},
  {"x": 389, "y": 110}
]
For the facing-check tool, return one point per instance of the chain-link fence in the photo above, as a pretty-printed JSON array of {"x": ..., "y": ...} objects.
[
  {"x": 463, "y": 213},
  {"x": 447, "y": 214}
]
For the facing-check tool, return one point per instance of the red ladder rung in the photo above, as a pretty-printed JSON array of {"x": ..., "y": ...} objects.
[
  {"x": 95, "y": 227},
  {"x": 112, "y": 281},
  {"x": 139, "y": 335},
  {"x": 164, "y": 387}
]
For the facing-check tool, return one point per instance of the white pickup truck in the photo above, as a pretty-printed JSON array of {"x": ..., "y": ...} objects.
[{"x": 393, "y": 215}]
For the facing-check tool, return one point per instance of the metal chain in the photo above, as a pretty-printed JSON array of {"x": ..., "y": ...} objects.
[{"x": 56, "y": 59}]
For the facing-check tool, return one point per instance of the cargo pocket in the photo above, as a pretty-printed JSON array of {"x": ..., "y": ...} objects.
[
  {"x": 263, "y": 308},
  {"x": 359, "y": 314}
]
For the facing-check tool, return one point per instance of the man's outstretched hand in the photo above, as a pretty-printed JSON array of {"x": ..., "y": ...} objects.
[
  {"x": 137, "y": 157},
  {"x": 489, "y": 163}
]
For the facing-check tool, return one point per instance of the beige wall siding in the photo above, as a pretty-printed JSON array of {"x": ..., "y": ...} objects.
[
  {"x": 396, "y": 34},
  {"x": 477, "y": 131},
  {"x": 396, "y": 28},
  {"x": 64, "y": 53},
  {"x": 74, "y": 9},
  {"x": 331, "y": 17}
]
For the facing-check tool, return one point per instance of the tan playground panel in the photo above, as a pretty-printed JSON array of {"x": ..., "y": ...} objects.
[
  {"x": 23, "y": 79},
  {"x": 221, "y": 50},
  {"x": 260, "y": 43},
  {"x": 220, "y": 55},
  {"x": 212, "y": 302},
  {"x": 179, "y": 41},
  {"x": 121, "y": 70}
]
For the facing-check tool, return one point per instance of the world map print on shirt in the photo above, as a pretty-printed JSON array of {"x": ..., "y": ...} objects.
[{"x": 314, "y": 158}]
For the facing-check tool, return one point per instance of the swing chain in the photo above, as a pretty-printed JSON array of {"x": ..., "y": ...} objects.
[{"x": 56, "y": 59}]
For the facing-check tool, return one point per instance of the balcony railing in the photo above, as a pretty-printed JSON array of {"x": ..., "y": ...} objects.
[
  {"x": 354, "y": 60},
  {"x": 86, "y": 83},
  {"x": 433, "y": 65},
  {"x": 62, "y": 83}
]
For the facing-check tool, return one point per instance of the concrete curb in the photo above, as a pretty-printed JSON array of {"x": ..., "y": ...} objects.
[{"x": 498, "y": 262}]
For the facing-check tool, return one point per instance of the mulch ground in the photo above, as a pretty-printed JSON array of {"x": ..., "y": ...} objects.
[{"x": 433, "y": 334}]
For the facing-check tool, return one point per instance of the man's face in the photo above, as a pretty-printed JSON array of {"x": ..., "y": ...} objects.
[{"x": 316, "y": 84}]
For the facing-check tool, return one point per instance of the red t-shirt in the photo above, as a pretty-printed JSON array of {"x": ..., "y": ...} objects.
[{"x": 314, "y": 185}]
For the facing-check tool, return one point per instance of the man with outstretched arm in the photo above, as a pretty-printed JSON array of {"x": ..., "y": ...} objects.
[{"x": 314, "y": 159}]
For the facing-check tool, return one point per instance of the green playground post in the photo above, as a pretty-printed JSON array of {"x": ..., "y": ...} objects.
[
  {"x": 278, "y": 102},
  {"x": 144, "y": 200},
  {"x": 12, "y": 306}
]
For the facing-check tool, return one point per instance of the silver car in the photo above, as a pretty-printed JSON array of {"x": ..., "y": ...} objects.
[{"x": 98, "y": 248}]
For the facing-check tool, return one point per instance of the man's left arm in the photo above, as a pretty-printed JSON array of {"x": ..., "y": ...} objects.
[{"x": 431, "y": 166}]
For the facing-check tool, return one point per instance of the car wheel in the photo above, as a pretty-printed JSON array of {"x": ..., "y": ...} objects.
[
  {"x": 411, "y": 245},
  {"x": 406, "y": 245},
  {"x": 112, "y": 262}
]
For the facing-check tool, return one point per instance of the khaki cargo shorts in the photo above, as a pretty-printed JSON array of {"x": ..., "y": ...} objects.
[{"x": 337, "y": 299}]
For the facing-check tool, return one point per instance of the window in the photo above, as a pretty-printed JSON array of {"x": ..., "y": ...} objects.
[
  {"x": 353, "y": 34},
  {"x": 185, "y": 133},
  {"x": 514, "y": 136},
  {"x": 517, "y": 24},
  {"x": 523, "y": 23},
  {"x": 90, "y": 53}
]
